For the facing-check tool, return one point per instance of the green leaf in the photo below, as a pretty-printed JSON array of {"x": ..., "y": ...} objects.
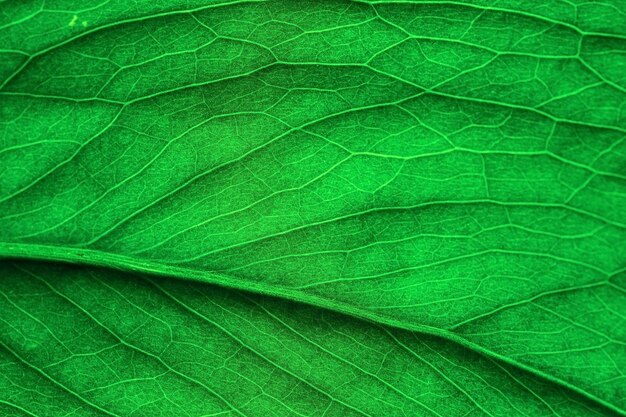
[
  {"x": 452, "y": 169},
  {"x": 108, "y": 343}
]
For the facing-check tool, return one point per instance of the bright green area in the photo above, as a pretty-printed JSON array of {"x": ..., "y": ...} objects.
[{"x": 456, "y": 169}]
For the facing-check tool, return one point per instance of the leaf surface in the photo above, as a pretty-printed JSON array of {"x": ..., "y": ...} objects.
[
  {"x": 108, "y": 343},
  {"x": 451, "y": 168}
]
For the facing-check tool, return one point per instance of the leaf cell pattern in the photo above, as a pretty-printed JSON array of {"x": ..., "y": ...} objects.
[{"x": 452, "y": 172}]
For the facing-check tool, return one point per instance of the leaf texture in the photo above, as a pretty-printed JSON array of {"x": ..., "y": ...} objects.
[
  {"x": 106, "y": 343},
  {"x": 455, "y": 169}
]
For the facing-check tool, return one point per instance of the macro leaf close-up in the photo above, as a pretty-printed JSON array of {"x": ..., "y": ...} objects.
[{"x": 321, "y": 208}]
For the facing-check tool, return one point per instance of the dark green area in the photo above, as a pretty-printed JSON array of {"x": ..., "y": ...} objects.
[
  {"x": 119, "y": 344},
  {"x": 443, "y": 182}
]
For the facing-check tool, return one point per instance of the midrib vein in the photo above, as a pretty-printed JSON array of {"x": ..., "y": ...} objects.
[{"x": 124, "y": 263}]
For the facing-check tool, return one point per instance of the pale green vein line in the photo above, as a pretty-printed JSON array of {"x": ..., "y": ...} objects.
[
  {"x": 438, "y": 371},
  {"x": 248, "y": 347},
  {"x": 527, "y": 301},
  {"x": 17, "y": 407},
  {"x": 135, "y": 348},
  {"x": 57, "y": 383},
  {"x": 115, "y": 24},
  {"x": 320, "y": 347}
]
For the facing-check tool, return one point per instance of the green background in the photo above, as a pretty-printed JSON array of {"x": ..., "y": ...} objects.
[{"x": 316, "y": 208}]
